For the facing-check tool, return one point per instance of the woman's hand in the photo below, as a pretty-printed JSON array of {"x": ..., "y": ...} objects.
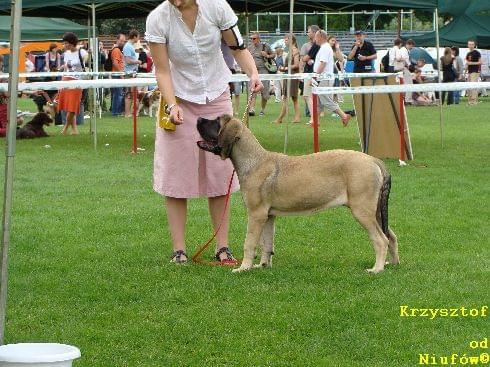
[
  {"x": 176, "y": 115},
  {"x": 255, "y": 84}
]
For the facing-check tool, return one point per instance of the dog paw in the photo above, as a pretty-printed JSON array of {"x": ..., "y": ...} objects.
[
  {"x": 241, "y": 269},
  {"x": 374, "y": 270},
  {"x": 262, "y": 266}
]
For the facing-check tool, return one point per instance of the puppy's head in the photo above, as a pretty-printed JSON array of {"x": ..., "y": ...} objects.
[
  {"x": 219, "y": 134},
  {"x": 42, "y": 118}
]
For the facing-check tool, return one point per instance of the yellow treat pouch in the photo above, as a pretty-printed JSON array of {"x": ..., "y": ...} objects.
[{"x": 163, "y": 119}]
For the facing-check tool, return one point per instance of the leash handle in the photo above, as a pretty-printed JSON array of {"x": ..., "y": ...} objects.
[{"x": 247, "y": 109}]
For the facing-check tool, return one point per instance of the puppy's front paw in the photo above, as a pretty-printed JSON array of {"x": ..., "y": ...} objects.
[
  {"x": 374, "y": 270},
  {"x": 242, "y": 268}
]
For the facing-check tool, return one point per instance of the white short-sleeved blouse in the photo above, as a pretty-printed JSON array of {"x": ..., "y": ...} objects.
[{"x": 199, "y": 72}]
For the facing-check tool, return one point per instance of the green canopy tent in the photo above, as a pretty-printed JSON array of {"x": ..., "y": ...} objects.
[
  {"x": 123, "y": 8},
  {"x": 128, "y": 9},
  {"x": 41, "y": 29},
  {"x": 471, "y": 21}
]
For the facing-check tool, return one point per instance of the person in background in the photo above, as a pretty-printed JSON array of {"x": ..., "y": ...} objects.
[
  {"x": 448, "y": 74},
  {"x": 420, "y": 98},
  {"x": 473, "y": 65},
  {"x": 117, "y": 58},
  {"x": 186, "y": 47},
  {"x": 362, "y": 53},
  {"x": 306, "y": 65},
  {"x": 30, "y": 68},
  {"x": 53, "y": 58},
  {"x": 102, "y": 56},
  {"x": 280, "y": 63},
  {"x": 409, "y": 45},
  {"x": 338, "y": 59},
  {"x": 324, "y": 64},
  {"x": 102, "y": 91},
  {"x": 295, "y": 62},
  {"x": 407, "y": 74},
  {"x": 131, "y": 64},
  {"x": 238, "y": 88},
  {"x": 260, "y": 51},
  {"x": 69, "y": 100},
  {"x": 143, "y": 57},
  {"x": 394, "y": 54},
  {"x": 458, "y": 66}
]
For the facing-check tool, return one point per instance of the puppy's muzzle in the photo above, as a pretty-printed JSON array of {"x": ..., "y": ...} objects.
[{"x": 208, "y": 146}]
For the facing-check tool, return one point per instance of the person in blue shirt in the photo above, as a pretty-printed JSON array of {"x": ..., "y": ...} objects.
[{"x": 131, "y": 64}]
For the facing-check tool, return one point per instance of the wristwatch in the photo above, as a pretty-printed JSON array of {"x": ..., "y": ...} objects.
[{"x": 168, "y": 108}]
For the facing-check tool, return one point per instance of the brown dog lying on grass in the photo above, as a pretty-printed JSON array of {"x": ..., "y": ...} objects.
[
  {"x": 269, "y": 184},
  {"x": 35, "y": 127}
]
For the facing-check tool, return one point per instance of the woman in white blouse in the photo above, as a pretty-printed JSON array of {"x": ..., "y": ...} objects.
[{"x": 185, "y": 38}]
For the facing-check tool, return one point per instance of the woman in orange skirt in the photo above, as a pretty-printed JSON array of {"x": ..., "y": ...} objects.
[{"x": 69, "y": 99}]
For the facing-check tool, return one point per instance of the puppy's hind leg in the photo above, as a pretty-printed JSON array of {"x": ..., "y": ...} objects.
[
  {"x": 267, "y": 242},
  {"x": 368, "y": 220},
  {"x": 255, "y": 226},
  {"x": 393, "y": 248}
]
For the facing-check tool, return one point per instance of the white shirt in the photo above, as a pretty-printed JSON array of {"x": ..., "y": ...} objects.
[
  {"x": 198, "y": 70},
  {"x": 325, "y": 54},
  {"x": 392, "y": 54},
  {"x": 405, "y": 56},
  {"x": 29, "y": 66},
  {"x": 72, "y": 59}
]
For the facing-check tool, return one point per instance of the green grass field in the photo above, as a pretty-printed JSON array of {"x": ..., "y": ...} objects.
[{"x": 89, "y": 258}]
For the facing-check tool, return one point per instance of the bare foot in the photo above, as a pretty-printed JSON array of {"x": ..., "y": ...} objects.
[{"x": 277, "y": 122}]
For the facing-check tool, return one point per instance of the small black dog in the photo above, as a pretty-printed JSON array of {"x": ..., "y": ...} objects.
[{"x": 35, "y": 127}]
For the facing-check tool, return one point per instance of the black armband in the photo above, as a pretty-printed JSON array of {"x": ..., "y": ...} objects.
[{"x": 238, "y": 40}]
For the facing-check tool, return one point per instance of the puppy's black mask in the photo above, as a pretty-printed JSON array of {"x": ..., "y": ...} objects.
[{"x": 209, "y": 131}]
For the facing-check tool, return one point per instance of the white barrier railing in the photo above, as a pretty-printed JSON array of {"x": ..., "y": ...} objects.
[
  {"x": 402, "y": 88},
  {"x": 145, "y": 82}
]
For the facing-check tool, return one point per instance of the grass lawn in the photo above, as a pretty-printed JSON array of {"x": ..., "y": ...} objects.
[{"x": 89, "y": 257}]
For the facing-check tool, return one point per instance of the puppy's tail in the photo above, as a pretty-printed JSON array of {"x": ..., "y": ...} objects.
[{"x": 384, "y": 195}]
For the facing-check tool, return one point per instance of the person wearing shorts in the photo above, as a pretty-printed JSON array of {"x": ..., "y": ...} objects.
[{"x": 324, "y": 63}]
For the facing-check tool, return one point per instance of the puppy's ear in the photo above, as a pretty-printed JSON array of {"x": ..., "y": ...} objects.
[{"x": 230, "y": 133}]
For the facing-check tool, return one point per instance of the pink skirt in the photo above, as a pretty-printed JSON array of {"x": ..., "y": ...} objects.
[{"x": 181, "y": 169}]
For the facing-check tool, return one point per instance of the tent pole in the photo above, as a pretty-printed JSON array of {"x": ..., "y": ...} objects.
[
  {"x": 89, "y": 37},
  {"x": 439, "y": 76},
  {"x": 95, "y": 64},
  {"x": 247, "y": 31},
  {"x": 288, "y": 83},
  {"x": 16, "y": 15}
]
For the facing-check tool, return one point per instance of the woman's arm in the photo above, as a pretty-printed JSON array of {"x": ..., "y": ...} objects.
[
  {"x": 46, "y": 62},
  {"x": 244, "y": 58},
  {"x": 247, "y": 64},
  {"x": 161, "y": 61}
]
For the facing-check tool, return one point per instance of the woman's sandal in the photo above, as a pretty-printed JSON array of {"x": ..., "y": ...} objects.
[
  {"x": 177, "y": 257},
  {"x": 230, "y": 260}
]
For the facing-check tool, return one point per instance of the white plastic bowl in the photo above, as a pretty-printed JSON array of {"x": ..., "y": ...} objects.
[{"x": 38, "y": 355}]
